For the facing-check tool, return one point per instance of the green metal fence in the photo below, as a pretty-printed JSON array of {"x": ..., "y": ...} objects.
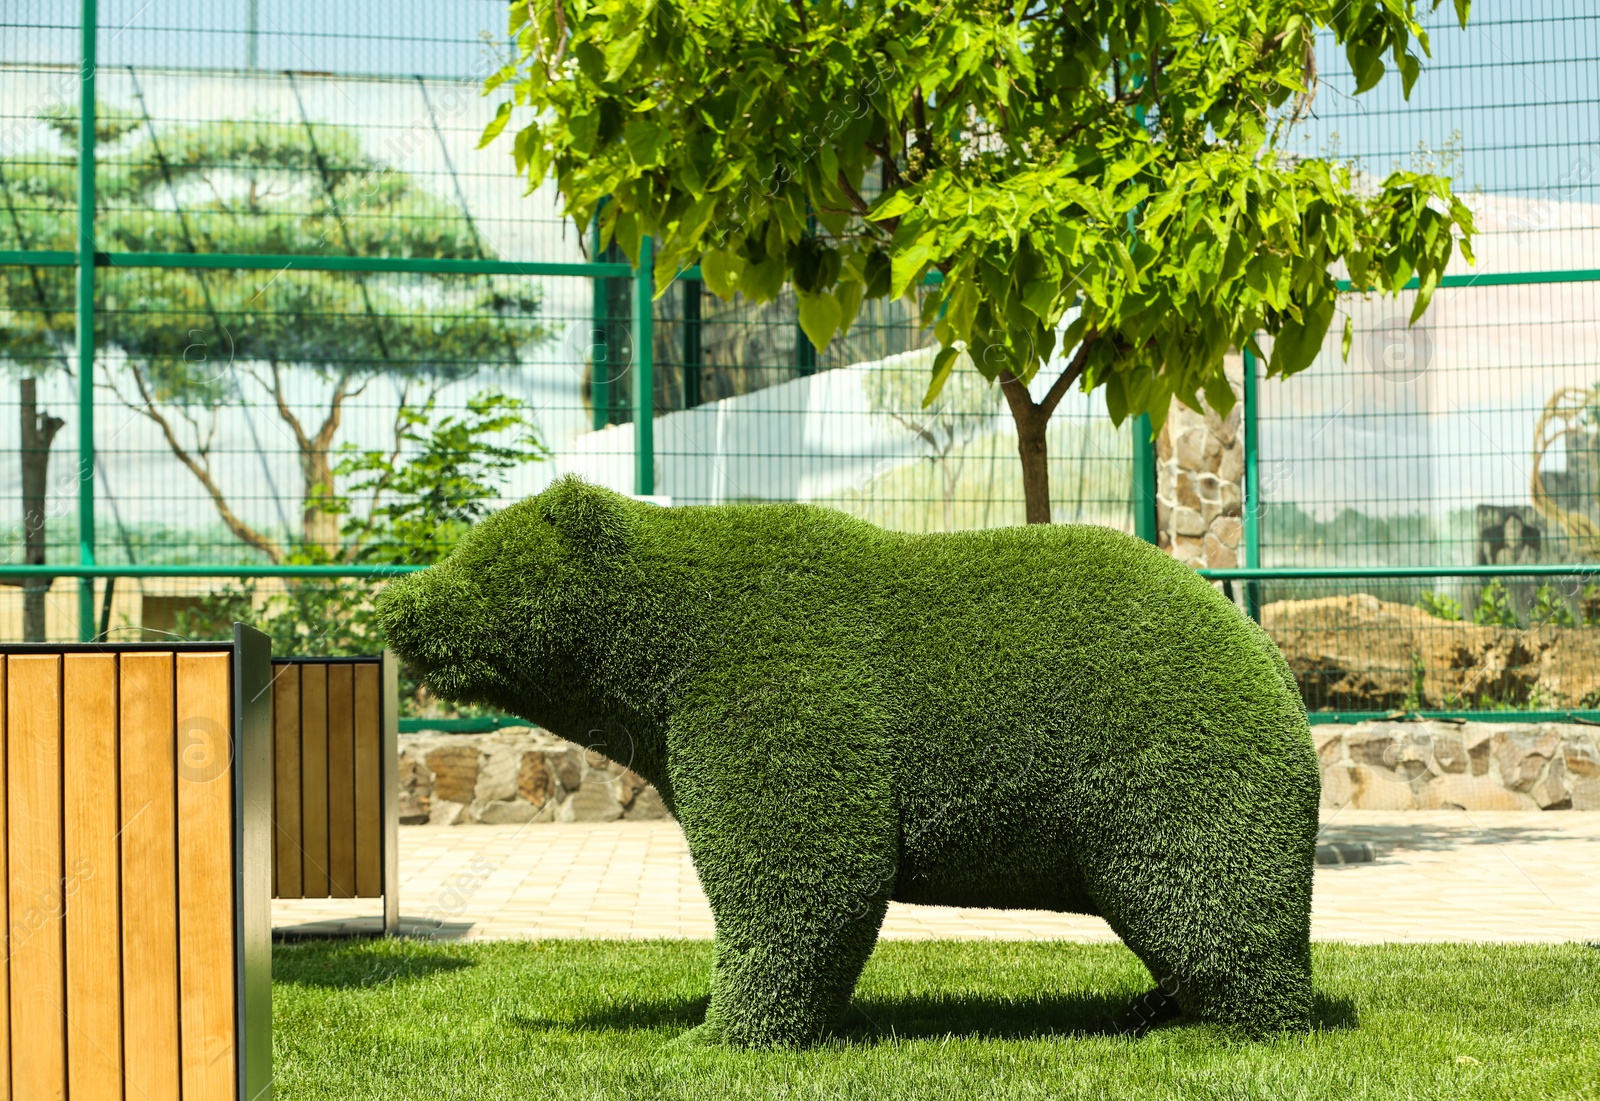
[{"x": 238, "y": 242}]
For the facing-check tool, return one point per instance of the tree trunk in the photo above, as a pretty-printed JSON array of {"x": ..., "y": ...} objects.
[
  {"x": 319, "y": 526},
  {"x": 1031, "y": 420},
  {"x": 38, "y": 433}
]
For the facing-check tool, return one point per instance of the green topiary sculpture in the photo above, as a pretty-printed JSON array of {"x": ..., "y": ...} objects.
[{"x": 1059, "y": 718}]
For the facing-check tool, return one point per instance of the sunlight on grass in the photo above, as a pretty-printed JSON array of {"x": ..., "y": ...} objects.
[{"x": 586, "y": 1019}]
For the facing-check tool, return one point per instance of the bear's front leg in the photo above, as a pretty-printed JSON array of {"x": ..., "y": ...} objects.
[{"x": 793, "y": 834}]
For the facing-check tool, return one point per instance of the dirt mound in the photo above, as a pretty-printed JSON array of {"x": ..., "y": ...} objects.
[{"x": 1360, "y": 653}]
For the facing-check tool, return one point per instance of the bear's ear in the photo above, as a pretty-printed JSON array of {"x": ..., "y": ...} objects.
[{"x": 591, "y": 520}]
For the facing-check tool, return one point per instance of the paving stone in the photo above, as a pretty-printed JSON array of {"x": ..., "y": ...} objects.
[{"x": 1437, "y": 875}]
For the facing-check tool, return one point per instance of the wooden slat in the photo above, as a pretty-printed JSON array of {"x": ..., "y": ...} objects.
[
  {"x": 33, "y": 773},
  {"x": 94, "y": 909},
  {"x": 205, "y": 877},
  {"x": 341, "y": 781},
  {"x": 149, "y": 877},
  {"x": 286, "y": 839},
  {"x": 314, "y": 777},
  {"x": 5, "y": 894},
  {"x": 368, "y": 783}
]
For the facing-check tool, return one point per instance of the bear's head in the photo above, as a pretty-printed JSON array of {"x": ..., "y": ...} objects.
[{"x": 511, "y": 610}]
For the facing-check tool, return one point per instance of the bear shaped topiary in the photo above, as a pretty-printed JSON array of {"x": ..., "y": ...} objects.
[{"x": 1050, "y": 717}]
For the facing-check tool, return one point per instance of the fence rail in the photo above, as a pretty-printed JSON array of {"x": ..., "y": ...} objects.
[{"x": 1406, "y": 483}]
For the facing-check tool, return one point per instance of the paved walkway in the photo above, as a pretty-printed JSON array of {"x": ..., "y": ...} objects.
[{"x": 1438, "y": 875}]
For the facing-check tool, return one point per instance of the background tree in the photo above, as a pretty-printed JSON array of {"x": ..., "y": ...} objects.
[
  {"x": 442, "y": 475},
  {"x": 964, "y": 410},
  {"x": 192, "y": 341},
  {"x": 1117, "y": 165}
]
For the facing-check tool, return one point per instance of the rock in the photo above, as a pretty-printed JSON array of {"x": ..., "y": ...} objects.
[
  {"x": 1229, "y": 530},
  {"x": 1449, "y": 754},
  {"x": 1193, "y": 450},
  {"x": 455, "y": 772},
  {"x": 1188, "y": 550},
  {"x": 1550, "y": 790},
  {"x": 413, "y": 810},
  {"x": 1458, "y": 792},
  {"x": 507, "y": 811},
  {"x": 1186, "y": 521},
  {"x": 1380, "y": 789},
  {"x": 1521, "y": 756},
  {"x": 1338, "y": 784},
  {"x": 1478, "y": 737},
  {"x": 1329, "y": 741},
  {"x": 628, "y": 785},
  {"x": 591, "y": 803},
  {"x": 415, "y": 776},
  {"x": 1219, "y": 555},
  {"x": 1188, "y": 495},
  {"x": 1582, "y": 757},
  {"x": 647, "y": 806},
  {"x": 446, "y": 813},
  {"x": 569, "y": 768},
  {"x": 497, "y": 775},
  {"x": 1232, "y": 499},
  {"x": 535, "y": 782},
  {"x": 1230, "y": 468}
]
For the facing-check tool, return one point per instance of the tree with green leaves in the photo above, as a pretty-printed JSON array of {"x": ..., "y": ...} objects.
[
  {"x": 1100, "y": 183},
  {"x": 178, "y": 346}
]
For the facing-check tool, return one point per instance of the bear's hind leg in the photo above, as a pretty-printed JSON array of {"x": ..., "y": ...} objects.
[{"x": 1228, "y": 942}]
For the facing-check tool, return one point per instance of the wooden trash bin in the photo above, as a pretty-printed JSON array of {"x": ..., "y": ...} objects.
[
  {"x": 135, "y": 842},
  {"x": 336, "y": 797}
]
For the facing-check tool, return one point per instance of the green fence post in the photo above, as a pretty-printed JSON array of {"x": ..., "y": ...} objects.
[
  {"x": 85, "y": 309},
  {"x": 599, "y": 340},
  {"x": 1144, "y": 479},
  {"x": 644, "y": 444},
  {"x": 692, "y": 289},
  {"x": 1252, "y": 487}
]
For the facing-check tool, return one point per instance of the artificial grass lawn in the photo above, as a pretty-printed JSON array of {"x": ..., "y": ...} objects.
[{"x": 580, "y": 1019}]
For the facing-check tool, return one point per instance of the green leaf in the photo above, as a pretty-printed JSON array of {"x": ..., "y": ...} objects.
[
  {"x": 943, "y": 364},
  {"x": 1219, "y": 395},
  {"x": 619, "y": 54},
  {"x": 720, "y": 270},
  {"x": 646, "y": 142},
  {"x": 1425, "y": 288},
  {"x": 502, "y": 115},
  {"x": 892, "y": 205},
  {"x": 1116, "y": 398},
  {"x": 819, "y": 318},
  {"x": 848, "y": 292},
  {"x": 1299, "y": 342},
  {"x": 1348, "y": 338}
]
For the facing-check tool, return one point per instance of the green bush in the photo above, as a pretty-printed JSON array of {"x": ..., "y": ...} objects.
[
  {"x": 1052, "y": 717},
  {"x": 1549, "y": 607},
  {"x": 1494, "y": 607},
  {"x": 1440, "y": 606}
]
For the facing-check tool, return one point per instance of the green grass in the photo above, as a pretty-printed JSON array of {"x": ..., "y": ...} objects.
[{"x": 573, "y": 1020}]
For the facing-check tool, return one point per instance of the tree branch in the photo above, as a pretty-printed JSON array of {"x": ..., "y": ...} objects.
[
  {"x": 241, "y": 530},
  {"x": 852, "y": 194},
  {"x": 1069, "y": 375},
  {"x": 285, "y": 413}
]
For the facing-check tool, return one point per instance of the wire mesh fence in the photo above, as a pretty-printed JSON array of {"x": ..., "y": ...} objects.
[{"x": 310, "y": 276}]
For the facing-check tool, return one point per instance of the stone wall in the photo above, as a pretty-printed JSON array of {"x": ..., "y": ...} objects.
[
  {"x": 1200, "y": 480},
  {"x": 527, "y": 775},
  {"x": 1467, "y": 766},
  {"x": 515, "y": 775}
]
